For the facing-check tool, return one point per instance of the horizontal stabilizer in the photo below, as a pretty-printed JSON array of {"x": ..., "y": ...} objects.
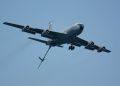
[{"x": 39, "y": 40}]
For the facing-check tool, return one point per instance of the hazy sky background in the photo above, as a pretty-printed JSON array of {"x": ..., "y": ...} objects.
[{"x": 81, "y": 67}]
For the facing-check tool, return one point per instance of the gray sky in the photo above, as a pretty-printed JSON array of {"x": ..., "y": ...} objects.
[{"x": 81, "y": 67}]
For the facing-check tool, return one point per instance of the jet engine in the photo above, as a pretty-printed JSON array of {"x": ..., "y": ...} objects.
[
  {"x": 90, "y": 46},
  {"x": 91, "y": 43},
  {"x": 45, "y": 33},
  {"x": 25, "y": 28},
  {"x": 101, "y": 49},
  {"x": 28, "y": 30}
]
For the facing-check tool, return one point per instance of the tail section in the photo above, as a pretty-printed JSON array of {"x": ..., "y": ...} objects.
[{"x": 50, "y": 26}]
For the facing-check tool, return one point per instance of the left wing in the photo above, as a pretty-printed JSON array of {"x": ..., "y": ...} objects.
[
  {"x": 44, "y": 33},
  {"x": 88, "y": 45}
]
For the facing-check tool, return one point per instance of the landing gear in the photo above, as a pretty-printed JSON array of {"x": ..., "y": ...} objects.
[{"x": 71, "y": 47}]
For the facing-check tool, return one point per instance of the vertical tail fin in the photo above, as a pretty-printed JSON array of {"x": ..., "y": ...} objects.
[{"x": 50, "y": 25}]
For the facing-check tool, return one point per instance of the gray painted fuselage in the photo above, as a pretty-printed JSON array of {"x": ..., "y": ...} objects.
[{"x": 71, "y": 32}]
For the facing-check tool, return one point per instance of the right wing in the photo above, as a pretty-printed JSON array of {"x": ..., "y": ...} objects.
[
  {"x": 44, "y": 33},
  {"x": 25, "y": 28}
]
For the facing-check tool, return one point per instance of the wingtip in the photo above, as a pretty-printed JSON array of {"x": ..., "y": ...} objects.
[
  {"x": 108, "y": 51},
  {"x": 29, "y": 37},
  {"x": 5, "y": 22}
]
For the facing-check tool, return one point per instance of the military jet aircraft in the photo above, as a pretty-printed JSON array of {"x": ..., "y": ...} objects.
[{"x": 70, "y": 36}]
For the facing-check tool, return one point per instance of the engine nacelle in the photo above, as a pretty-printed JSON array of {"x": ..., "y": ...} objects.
[
  {"x": 91, "y": 43},
  {"x": 25, "y": 28},
  {"x": 28, "y": 30},
  {"x": 101, "y": 49},
  {"x": 90, "y": 46},
  {"x": 46, "y": 34}
]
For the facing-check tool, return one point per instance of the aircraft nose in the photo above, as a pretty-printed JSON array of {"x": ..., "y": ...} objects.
[{"x": 81, "y": 26}]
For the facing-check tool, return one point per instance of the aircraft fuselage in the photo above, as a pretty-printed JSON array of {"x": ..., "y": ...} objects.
[{"x": 71, "y": 32}]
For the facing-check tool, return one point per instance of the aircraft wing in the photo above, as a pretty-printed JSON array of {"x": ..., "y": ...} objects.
[
  {"x": 44, "y": 33},
  {"x": 25, "y": 28},
  {"x": 89, "y": 45}
]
